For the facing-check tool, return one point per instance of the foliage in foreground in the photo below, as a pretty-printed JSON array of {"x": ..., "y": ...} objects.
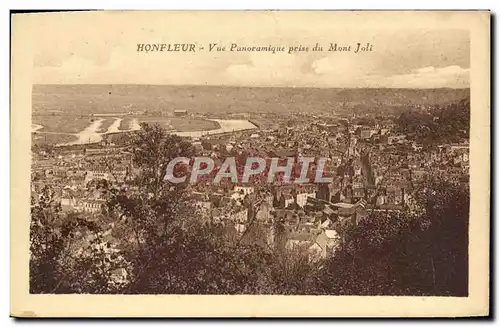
[{"x": 149, "y": 233}]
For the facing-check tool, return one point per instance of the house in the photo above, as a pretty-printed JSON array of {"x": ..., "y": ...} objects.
[
  {"x": 345, "y": 209},
  {"x": 102, "y": 174},
  {"x": 315, "y": 243},
  {"x": 289, "y": 200},
  {"x": 353, "y": 212},
  {"x": 281, "y": 153},
  {"x": 326, "y": 222},
  {"x": 180, "y": 113},
  {"x": 286, "y": 216},
  {"x": 69, "y": 204},
  {"x": 302, "y": 198},
  {"x": 92, "y": 205},
  {"x": 365, "y": 134}
]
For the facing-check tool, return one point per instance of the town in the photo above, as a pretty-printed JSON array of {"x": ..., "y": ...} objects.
[{"x": 375, "y": 167}]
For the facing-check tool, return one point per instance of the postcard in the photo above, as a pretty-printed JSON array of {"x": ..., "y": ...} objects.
[{"x": 250, "y": 164}]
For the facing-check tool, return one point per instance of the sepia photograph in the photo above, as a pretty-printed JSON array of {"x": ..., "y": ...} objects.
[{"x": 264, "y": 157}]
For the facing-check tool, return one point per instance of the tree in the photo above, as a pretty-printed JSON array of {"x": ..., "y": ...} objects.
[
  {"x": 56, "y": 242},
  {"x": 152, "y": 150},
  {"x": 420, "y": 253},
  {"x": 174, "y": 251},
  {"x": 446, "y": 124},
  {"x": 152, "y": 232},
  {"x": 45, "y": 241}
]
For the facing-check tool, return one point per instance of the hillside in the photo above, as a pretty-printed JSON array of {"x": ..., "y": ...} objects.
[
  {"x": 84, "y": 99},
  {"x": 446, "y": 124}
]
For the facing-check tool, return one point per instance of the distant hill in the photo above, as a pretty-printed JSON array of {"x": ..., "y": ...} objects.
[
  {"x": 445, "y": 124},
  {"x": 85, "y": 99}
]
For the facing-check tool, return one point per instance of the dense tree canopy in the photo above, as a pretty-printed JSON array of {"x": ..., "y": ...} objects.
[
  {"x": 411, "y": 253},
  {"x": 446, "y": 124}
]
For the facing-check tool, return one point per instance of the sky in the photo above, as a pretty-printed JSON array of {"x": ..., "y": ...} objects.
[{"x": 102, "y": 49}]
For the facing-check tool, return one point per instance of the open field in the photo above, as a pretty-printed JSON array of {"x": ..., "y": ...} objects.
[
  {"x": 162, "y": 121},
  {"x": 181, "y": 124},
  {"x": 61, "y": 123},
  {"x": 125, "y": 124},
  {"x": 77, "y": 130},
  {"x": 106, "y": 123},
  {"x": 193, "y": 124},
  {"x": 219, "y": 100},
  {"x": 76, "y": 124}
]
